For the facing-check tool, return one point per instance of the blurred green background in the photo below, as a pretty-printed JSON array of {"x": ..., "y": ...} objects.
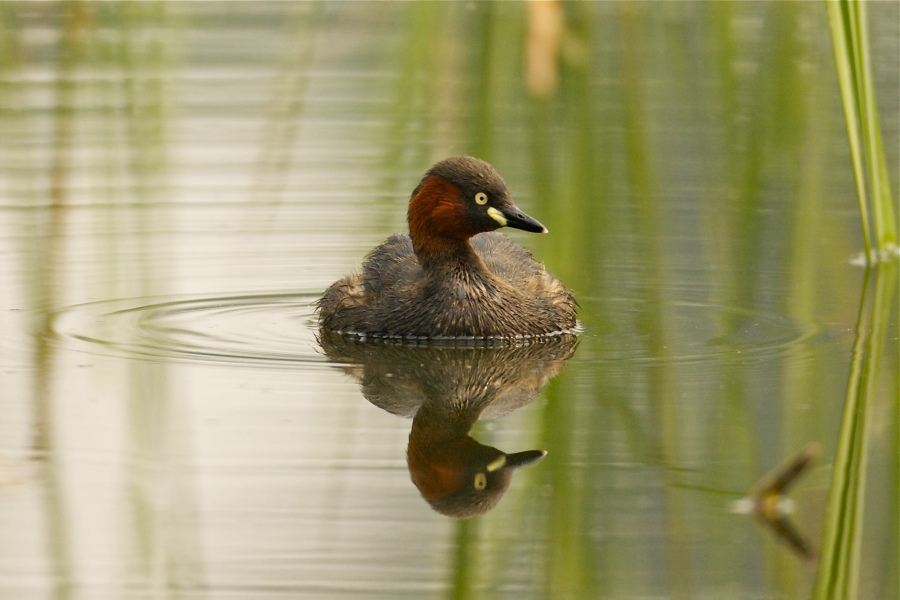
[{"x": 178, "y": 181}]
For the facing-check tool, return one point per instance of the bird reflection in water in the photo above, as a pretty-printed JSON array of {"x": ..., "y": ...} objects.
[{"x": 446, "y": 389}]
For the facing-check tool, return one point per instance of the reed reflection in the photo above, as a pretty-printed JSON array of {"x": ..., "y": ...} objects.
[
  {"x": 445, "y": 390},
  {"x": 768, "y": 501}
]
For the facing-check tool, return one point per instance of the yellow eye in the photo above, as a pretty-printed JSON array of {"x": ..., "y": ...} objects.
[
  {"x": 481, "y": 198},
  {"x": 480, "y": 481}
]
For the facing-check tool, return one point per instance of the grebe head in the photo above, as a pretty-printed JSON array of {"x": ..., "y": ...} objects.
[
  {"x": 462, "y": 478},
  {"x": 460, "y": 197}
]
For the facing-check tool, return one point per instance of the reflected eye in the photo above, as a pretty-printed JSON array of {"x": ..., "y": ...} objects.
[
  {"x": 480, "y": 481},
  {"x": 481, "y": 198}
]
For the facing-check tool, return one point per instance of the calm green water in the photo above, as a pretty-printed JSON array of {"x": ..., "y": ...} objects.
[{"x": 180, "y": 181}]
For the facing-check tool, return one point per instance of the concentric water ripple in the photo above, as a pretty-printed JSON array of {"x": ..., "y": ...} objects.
[
  {"x": 261, "y": 328},
  {"x": 279, "y": 329},
  {"x": 690, "y": 331}
]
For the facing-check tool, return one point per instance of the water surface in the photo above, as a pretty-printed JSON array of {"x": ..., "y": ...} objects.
[{"x": 180, "y": 181}]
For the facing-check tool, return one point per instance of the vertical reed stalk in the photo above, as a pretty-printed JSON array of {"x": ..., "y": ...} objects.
[
  {"x": 841, "y": 553},
  {"x": 849, "y": 32}
]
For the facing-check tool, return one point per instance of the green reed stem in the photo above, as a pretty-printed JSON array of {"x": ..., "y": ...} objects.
[
  {"x": 838, "y": 575},
  {"x": 849, "y": 32},
  {"x": 842, "y": 557}
]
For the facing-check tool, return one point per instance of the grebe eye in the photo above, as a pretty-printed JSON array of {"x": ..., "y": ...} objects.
[
  {"x": 480, "y": 481},
  {"x": 481, "y": 198}
]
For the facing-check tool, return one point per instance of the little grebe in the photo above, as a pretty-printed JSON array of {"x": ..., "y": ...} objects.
[{"x": 451, "y": 277}]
